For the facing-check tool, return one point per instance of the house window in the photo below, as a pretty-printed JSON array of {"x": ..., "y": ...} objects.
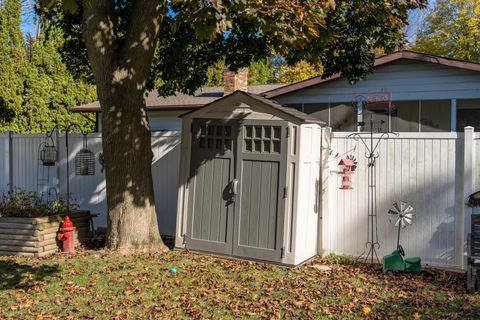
[
  {"x": 405, "y": 116},
  {"x": 340, "y": 116},
  {"x": 468, "y": 114},
  {"x": 436, "y": 115}
]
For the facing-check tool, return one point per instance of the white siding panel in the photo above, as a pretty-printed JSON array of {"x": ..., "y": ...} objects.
[{"x": 407, "y": 80}]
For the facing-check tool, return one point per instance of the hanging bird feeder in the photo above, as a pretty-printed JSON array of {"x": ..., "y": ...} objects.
[
  {"x": 85, "y": 160},
  {"x": 348, "y": 166},
  {"x": 48, "y": 151}
]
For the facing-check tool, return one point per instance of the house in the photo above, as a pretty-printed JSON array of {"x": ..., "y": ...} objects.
[
  {"x": 164, "y": 112},
  {"x": 427, "y": 94}
]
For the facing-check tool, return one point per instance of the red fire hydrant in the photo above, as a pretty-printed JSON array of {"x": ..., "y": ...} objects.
[{"x": 66, "y": 235}]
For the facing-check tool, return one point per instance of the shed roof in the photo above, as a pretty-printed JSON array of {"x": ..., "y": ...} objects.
[
  {"x": 181, "y": 101},
  {"x": 379, "y": 61},
  {"x": 248, "y": 97}
]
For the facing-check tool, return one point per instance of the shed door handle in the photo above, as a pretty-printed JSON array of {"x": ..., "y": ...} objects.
[{"x": 235, "y": 186}]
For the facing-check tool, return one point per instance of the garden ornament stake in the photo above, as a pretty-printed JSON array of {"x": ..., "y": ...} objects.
[
  {"x": 402, "y": 215},
  {"x": 47, "y": 158},
  {"x": 371, "y": 140}
]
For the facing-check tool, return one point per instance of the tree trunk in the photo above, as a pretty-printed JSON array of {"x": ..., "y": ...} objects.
[
  {"x": 121, "y": 68},
  {"x": 132, "y": 218}
]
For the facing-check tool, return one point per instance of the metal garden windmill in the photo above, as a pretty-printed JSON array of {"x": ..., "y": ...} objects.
[{"x": 402, "y": 213}]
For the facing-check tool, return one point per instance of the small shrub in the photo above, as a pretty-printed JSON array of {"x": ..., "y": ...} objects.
[
  {"x": 28, "y": 204},
  {"x": 333, "y": 258}
]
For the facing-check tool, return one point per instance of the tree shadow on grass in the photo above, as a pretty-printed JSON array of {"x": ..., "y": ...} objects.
[{"x": 14, "y": 275}]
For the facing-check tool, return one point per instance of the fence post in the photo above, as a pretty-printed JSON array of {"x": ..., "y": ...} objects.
[
  {"x": 9, "y": 162},
  {"x": 468, "y": 166},
  {"x": 325, "y": 229}
]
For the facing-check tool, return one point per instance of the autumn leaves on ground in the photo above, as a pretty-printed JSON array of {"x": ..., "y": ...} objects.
[{"x": 96, "y": 285}]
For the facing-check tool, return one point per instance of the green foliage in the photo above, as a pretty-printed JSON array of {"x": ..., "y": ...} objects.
[
  {"x": 40, "y": 90},
  {"x": 339, "y": 35},
  {"x": 452, "y": 29},
  {"x": 12, "y": 61},
  {"x": 28, "y": 204},
  {"x": 302, "y": 70}
]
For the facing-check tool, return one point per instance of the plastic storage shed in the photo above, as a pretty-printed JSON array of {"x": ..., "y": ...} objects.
[{"x": 250, "y": 180}]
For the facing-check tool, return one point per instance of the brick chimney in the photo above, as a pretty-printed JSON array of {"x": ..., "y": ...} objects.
[{"x": 234, "y": 81}]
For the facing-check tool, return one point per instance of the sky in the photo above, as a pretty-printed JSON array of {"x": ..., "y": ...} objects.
[{"x": 28, "y": 17}]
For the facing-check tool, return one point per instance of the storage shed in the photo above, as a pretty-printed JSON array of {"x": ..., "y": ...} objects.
[{"x": 249, "y": 180}]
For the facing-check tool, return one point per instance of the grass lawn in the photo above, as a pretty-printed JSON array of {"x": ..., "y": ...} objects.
[{"x": 107, "y": 286}]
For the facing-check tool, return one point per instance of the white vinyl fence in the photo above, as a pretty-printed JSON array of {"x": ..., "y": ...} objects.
[
  {"x": 435, "y": 172},
  {"x": 21, "y": 168}
]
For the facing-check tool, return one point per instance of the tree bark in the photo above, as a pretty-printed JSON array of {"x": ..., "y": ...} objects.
[{"x": 120, "y": 68}]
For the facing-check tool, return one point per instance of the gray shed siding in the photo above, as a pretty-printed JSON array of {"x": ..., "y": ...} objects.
[{"x": 406, "y": 79}]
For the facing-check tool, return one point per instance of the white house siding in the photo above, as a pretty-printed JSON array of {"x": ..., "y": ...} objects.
[
  {"x": 159, "y": 120},
  {"x": 419, "y": 168},
  {"x": 406, "y": 79}
]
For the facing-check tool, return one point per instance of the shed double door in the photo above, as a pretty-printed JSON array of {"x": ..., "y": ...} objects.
[{"x": 237, "y": 182}]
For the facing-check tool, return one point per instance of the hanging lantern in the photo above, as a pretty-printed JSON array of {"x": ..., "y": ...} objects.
[
  {"x": 85, "y": 160},
  {"x": 48, "y": 152},
  {"x": 348, "y": 166}
]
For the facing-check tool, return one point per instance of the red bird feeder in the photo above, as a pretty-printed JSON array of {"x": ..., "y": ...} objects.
[{"x": 347, "y": 166}]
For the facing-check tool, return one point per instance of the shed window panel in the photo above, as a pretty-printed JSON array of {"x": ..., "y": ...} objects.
[
  {"x": 261, "y": 139},
  {"x": 215, "y": 137},
  {"x": 468, "y": 114},
  {"x": 436, "y": 115}
]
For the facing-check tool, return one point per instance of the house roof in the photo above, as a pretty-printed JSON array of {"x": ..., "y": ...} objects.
[
  {"x": 379, "y": 61},
  {"x": 181, "y": 101},
  {"x": 303, "y": 117}
]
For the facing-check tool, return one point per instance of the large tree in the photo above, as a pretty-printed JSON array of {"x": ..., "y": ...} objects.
[
  {"x": 452, "y": 29},
  {"x": 133, "y": 45},
  {"x": 36, "y": 89},
  {"x": 12, "y": 61}
]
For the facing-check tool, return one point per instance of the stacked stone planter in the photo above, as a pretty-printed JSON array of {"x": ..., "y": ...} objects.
[{"x": 36, "y": 237}]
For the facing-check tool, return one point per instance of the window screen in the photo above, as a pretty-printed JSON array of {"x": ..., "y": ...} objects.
[
  {"x": 436, "y": 115},
  {"x": 468, "y": 114},
  {"x": 405, "y": 116}
]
